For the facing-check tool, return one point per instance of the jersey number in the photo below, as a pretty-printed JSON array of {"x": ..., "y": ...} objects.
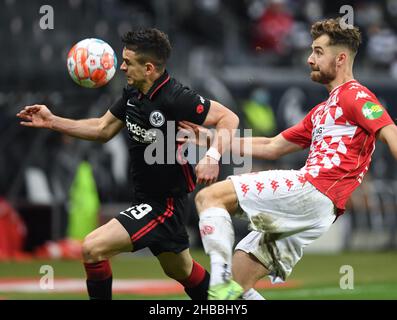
[{"x": 138, "y": 211}]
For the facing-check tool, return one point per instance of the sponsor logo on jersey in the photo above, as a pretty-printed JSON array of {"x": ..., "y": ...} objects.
[
  {"x": 317, "y": 133},
  {"x": 140, "y": 134},
  {"x": 156, "y": 118},
  {"x": 372, "y": 110}
]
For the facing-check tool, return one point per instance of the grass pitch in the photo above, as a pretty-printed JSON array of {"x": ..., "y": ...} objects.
[{"x": 316, "y": 277}]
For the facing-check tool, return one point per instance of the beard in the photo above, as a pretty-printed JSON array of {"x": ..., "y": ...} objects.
[
  {"x": 324, "y": 75},
  {"x": 137, "y": 84}
]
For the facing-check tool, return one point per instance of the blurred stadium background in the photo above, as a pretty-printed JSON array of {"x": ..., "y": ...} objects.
[{"x": 248, "y": 54}]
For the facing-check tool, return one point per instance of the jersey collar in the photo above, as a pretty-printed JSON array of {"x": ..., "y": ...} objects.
[
  {"x": 161, "y": 81},
  {"x": 333, "y": 90}
]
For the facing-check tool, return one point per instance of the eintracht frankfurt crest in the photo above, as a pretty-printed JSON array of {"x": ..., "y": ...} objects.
[{"x": 156, "y": 119}]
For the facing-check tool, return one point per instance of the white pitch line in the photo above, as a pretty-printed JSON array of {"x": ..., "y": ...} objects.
[
  {"x": 79, "y": 285},
  {"x": 318, "y": 292}
]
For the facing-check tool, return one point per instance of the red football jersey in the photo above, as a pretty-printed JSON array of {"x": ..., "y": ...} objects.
[{"x": 341, "y": 134}]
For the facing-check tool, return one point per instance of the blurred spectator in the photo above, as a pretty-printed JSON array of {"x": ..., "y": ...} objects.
[
  {"x": 12, "y": 232},
  {"x": 273, "y": 27},
  {"x": 259, "y": 114},
  {"x": 300, "y": 40},
  {"x": 391, "y": 13},
  {"x": 84, "y": 203},
  {"x": 367, "y": 14},
  {"x": 382, "y": 46},
  {"x": 393, "y": 69},
  {"x": 313, "y": 10},
  {"x": 203, "y": 21}
]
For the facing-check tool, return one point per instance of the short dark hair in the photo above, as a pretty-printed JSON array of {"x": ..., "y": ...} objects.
[
  {"x": 350, "y": 38},
  {"x": 150, "y": 45}
]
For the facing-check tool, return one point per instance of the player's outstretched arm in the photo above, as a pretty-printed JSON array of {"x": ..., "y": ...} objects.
[
  {"x": 388, "y": 135},
  {"x": 263, "y": 147},
  {"x": 257, "y": 147},
  {"x": 95, "y": 129}
]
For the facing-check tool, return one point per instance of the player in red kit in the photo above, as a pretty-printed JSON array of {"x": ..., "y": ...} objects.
[{"x": 288, "y": 209}]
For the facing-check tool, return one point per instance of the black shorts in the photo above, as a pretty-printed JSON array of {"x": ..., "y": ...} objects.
[{"x": 157, "y": 224}]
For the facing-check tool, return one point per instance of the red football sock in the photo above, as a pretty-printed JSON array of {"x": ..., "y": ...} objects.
[
  {"x": 99, "y": 280},
  {"x": 98, "y": 270},
  {"x": 196, "y": 285},
  {"x": 196, "y": 276}
]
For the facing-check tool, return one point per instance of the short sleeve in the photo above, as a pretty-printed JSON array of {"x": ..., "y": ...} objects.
[
  {"x": 188, "y": 105},
  {"x": 365, "y": 110},
  {"x": 301, "y": 133},
  {"x": 118, "y": 109}
]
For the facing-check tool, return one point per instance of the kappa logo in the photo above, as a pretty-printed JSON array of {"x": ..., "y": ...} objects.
[
  {"x": 361, "y": 95},
  {"x": 156, "y": 118},
  {"x": 354, "y": 86}
]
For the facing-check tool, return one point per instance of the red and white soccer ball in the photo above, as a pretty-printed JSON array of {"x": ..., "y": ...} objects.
[{"x": 92, "y": 63}]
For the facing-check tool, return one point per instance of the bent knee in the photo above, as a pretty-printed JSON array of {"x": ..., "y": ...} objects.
[
  {"x": 220, "y": 195},
  {"x": 205, "y": 199},
  {"x": 199, "y": 200},
  {"x": 92, "y": 250}
]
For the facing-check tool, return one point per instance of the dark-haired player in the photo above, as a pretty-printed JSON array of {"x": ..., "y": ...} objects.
[{"x": 151, "y": 101}]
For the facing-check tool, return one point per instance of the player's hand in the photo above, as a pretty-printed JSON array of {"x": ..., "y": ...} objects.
[
  {"x": 37, "y": 116},
  {"x": 191, "y": 132},
  {"x": 207, "y": 171}
]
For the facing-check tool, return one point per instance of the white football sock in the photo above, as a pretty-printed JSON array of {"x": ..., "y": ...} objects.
[
  {"x": 217, "y": 234},
  {"x": 252, "y": 294}
]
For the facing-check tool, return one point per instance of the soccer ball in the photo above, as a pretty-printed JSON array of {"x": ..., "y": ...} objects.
[{"x": 91, "y": 63}]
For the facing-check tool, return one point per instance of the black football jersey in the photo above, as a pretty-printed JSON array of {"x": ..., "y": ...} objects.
[{"x": 150, "y": 119}]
